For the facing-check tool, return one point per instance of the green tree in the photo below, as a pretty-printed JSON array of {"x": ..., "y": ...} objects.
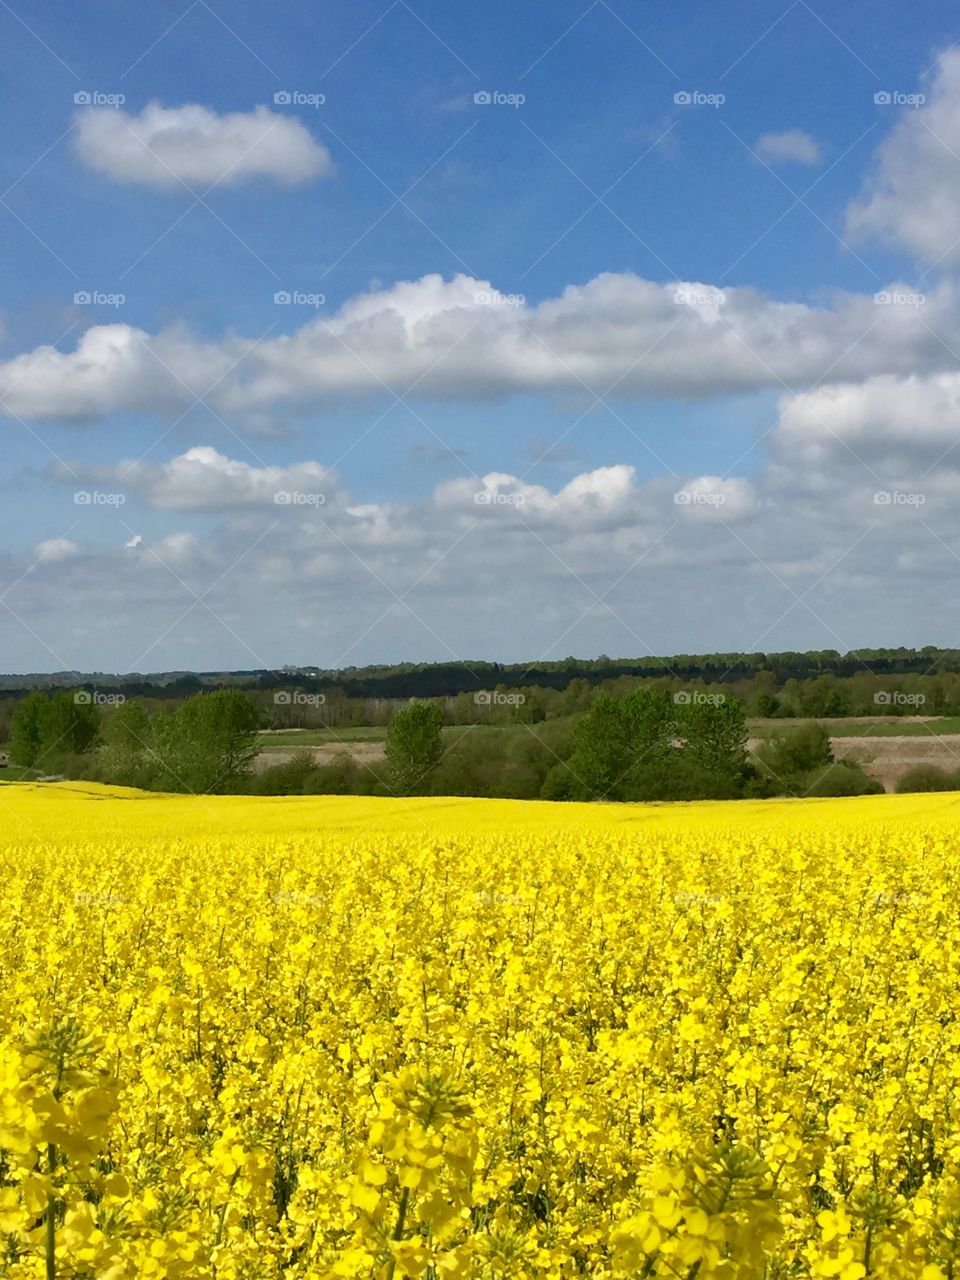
[
  {"x": 768, "y": 705},
  {"x": 208, "y": 744},
  {"x": 125, "y": 757},
  {"x": 127, "y": 727},
  {"x": 797, "y": 751},
  {"x": 618, "y": 736},
  {"x": 47, "y": 730},
  {"x": 713, "y": 735},
  {"x": 26, "y": 729},
  {"x": 414, "y": 746}
]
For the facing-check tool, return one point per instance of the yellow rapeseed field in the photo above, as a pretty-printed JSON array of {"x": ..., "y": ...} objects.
[{"x": 322, "y": 1037}]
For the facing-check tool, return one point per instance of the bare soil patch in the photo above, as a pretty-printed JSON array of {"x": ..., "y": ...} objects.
[{"x": 363, "y": 752}]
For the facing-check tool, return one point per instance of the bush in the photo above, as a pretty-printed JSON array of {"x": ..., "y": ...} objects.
[
  {"x": 796, "y": 751},
  {"x": 681, "y": 779},
  {"x": 286, "y": 779},
  {"x": 327, "y": 780},
  {"x": 928, "y": 777},
  {"x": 561, "y": 783},
  {"x": 842, "y": 778},
  {"x": 344, "y": 776}
]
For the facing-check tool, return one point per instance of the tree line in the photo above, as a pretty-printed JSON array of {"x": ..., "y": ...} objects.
[
  {"x": 642, "y": 745},
  {"x": 447, "y": 679}
]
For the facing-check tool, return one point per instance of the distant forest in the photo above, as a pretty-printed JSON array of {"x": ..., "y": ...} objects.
[{"x": 446, "y": 679}]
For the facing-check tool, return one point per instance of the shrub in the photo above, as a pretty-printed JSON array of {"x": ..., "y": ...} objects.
[
  {"x": 796, "y": 751},
  {"x": 285, "y": 779},
  {"x": 928, "y": 777},
  {"x": 681, "y": 779},
  {"x": 842, "y": 778}
]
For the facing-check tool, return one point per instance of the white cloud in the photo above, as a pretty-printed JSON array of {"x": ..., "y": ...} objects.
[
  {"x": 56, "y": 549},
  {"x": 911, "y": 422},
  {"x": 599, "y": 498},
  {"x": 716, "y": 498},
  {"x": 790, "y": 146},
  {"x": 170, "y": 146},
  {"x": 442, "y": 339},
  {"x": 179, "y": 549},
  {"x": 913, "y": 197},
  {"x": 607, "y": 563},
  {"x": 204, "y": 480}
]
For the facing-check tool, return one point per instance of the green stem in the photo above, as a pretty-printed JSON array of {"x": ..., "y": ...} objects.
[
  {"x": 50, "y": 1248},
  {"x": 223, "y": 1211},
  {"x": 398, "y": 1229}
]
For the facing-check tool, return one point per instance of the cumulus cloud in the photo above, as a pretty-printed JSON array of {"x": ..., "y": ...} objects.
[
  {"x": 604, "y": 496},
  {"x": 911, "y": 423},
  {"x": 445, "y": 339},
  {"x": 791, "y": 146},
  {"x": 800, "y": 553},
  {"x": 913, "y": 197},
  {"x": 56, "y": 549},
  {"x": 204, "y": 480},
  {"x": 716, "y": 498},
  {"x": 192, "y": 145}
]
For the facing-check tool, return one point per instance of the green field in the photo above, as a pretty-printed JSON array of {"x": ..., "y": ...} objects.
[
  {"x": 886, "y": 727},
  {"x": 938, "y": 727},
  {"x": 284, "y": 739},
  {"x": 16, "y": 773}
]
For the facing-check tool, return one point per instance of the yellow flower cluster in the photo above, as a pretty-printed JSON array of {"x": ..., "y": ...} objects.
[{"x": 321, "y": 1038}]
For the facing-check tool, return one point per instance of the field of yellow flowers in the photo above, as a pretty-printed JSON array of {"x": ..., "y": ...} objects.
[{"x": 328, "y": 1037}]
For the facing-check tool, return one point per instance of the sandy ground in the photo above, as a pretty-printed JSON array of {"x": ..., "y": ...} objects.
[{"x": 887, "y": 759}]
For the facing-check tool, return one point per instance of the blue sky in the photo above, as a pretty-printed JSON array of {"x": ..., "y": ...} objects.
[{"x": 590, "y": 169}]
